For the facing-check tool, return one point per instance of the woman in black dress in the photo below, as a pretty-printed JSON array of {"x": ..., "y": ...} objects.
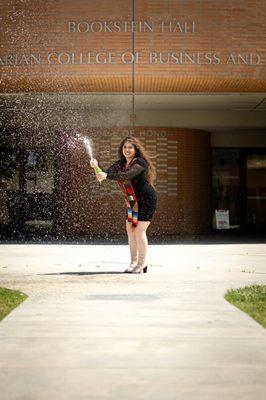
[{"x": 134, "y": 172}]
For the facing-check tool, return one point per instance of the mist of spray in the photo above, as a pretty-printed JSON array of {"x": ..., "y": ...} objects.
[
  {"x": 88, "y": 146},
  {"x": 77, "y": 142}
]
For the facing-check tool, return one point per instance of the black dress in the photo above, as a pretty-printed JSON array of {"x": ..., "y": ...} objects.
[{"x": 145, "y": 193}]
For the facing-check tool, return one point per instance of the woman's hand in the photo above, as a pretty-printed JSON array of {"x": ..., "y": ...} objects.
[
  {"x": 101, "y": 176},
  {"x": 93, "y": 163}
]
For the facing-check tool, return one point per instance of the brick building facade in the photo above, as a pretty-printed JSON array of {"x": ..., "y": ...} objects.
[{"x": 188, "y": 78}]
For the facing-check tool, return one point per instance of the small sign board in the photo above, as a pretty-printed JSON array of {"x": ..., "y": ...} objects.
[{"x": 222, "y": 219}]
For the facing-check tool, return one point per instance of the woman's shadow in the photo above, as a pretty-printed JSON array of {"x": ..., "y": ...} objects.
[{"x": 85, "y": 273}]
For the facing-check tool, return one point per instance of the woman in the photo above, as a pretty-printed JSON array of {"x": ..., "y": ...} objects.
[{"x": 134, "y": 172}]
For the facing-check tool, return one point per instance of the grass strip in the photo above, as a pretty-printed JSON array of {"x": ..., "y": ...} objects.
[
  {"x": 9, "y": 299},
  {"x": 251, "y": 300}
]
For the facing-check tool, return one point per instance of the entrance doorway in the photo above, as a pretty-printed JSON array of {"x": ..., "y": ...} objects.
[
  {"x": 255, "y": 180},
  {"x": 29, "y": 188},
  {"x": 239, "y": 186}
]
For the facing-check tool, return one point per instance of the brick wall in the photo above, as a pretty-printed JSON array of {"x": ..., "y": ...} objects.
[{"x": 221, "y": 27}]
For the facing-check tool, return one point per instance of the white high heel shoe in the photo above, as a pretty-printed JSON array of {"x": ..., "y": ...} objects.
[
  {"x": 130, "y": 268},
  {"x": 139, "y": 270}
]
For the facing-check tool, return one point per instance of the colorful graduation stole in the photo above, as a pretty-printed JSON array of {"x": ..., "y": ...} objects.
[{"x": 130, "y": 199}]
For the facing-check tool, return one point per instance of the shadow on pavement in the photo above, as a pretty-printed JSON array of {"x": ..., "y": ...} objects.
[{"x": 85, "y": 273}]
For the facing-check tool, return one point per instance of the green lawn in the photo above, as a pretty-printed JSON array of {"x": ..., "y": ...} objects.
[
  {"x": 251, "y": 300},
  {"x": 9, "y": 299}
]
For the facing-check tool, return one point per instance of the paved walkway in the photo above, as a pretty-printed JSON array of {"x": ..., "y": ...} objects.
[{"x": 89, "y": 332}]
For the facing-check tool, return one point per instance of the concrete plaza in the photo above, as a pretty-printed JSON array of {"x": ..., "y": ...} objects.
[{"x": 88, "y": 331}]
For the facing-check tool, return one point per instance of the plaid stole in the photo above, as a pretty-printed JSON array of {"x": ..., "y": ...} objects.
[{"x": 130, "y": 198}]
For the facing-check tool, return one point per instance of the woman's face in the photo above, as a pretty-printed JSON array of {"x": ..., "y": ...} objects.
[{"x": 129, "y": 150}]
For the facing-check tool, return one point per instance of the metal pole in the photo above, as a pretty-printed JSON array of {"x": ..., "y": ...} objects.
[{"x": 133, "y": 64}]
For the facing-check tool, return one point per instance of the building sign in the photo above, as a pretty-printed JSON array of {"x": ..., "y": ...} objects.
[
  {"x": 153, "y": 56},
  {"x": 172, "y": 26}
]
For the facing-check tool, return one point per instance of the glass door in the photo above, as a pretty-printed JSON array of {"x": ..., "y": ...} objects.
[
  {"x": 226, "y": 186},
  {"x": 30, "y": 189},
  {"x": 239, "y": 188},
  {"x": 256, "y": 189}
]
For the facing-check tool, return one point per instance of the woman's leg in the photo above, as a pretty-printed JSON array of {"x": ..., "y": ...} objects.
[
  {"x": 132, "y": 244},
  {"x": 142, "y": 243}
]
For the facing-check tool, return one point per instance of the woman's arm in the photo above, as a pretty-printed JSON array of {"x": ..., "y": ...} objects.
[
  {"x": 94, "y": 164},
  {"x": 113, "y": 174}
]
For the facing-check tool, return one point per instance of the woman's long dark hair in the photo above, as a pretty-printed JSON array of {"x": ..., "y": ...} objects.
[{"x": 140, "y": 152}]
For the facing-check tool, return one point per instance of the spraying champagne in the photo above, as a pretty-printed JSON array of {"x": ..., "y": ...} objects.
[
  {"x": 93, "y": 162},
  {"x": 88, "y": 145}
]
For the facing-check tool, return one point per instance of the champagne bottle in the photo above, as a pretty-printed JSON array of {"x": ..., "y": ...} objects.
[{"x": 97, "y": 170}]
